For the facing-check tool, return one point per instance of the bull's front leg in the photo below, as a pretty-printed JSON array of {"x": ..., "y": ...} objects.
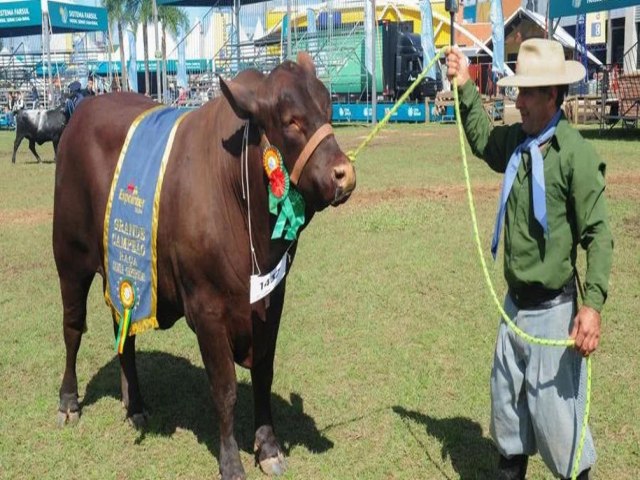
[
  {"x": 217, "y": 356},
  {"x": 266, "y": 447}
]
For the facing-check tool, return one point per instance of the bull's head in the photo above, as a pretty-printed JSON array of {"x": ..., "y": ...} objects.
[{"x": 293, "y": 108}]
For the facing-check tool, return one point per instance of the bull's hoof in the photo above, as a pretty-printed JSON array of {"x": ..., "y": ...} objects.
[
  {"x": 68, "y": 410},
  {"x": 67, "y": 418},
  {"x": 268, "y": 453},
  {"x": 138, "y": 421},
  {"x": 274, "y": 465}
]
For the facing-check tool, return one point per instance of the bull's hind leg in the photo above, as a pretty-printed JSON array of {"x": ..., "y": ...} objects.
[
  {"x": 266, "y": 447},
  {"x": 218, "y": 361},
  {"x": 74, "y": 301},
  {"x": 131, "y": 396},
  {"x": 77, "y": 260}
]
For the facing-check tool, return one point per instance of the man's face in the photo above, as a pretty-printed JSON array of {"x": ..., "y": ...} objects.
[{"x": 537, "y": 106}]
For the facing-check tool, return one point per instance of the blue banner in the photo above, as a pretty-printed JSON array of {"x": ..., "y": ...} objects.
[
  {"x": 426, "y": 37},
  {"x": 568, "y": 8},
  {"x": 131, "y": 218},
  {"x": 67, "y": 17},
  {"x": 361, "y": 112},
  {"x": 497, "y": 37},
  {"x": 20, "y": 18}
]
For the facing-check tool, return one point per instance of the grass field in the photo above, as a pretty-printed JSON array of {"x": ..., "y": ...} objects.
[{"x": 385, "y": 348}]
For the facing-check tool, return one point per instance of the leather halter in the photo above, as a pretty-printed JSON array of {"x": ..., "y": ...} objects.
[{"x": 319, "y": 135}]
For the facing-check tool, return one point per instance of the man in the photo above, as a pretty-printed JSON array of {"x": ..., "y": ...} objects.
[
  {"x": 18, "y": 103},
  {"x": 552, "y": 201},
  {"x": 89, "y": 90},
  {"x": 75, "y": 97},
  {"x": 35, "y": 97}
]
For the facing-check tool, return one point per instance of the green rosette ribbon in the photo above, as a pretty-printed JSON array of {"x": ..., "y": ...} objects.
[
  {"x": 291, "y": 216},
  {"x": 284, "y": 202}
]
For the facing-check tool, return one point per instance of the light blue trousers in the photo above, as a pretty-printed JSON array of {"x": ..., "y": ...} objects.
[{"x": 538, "y": 392}]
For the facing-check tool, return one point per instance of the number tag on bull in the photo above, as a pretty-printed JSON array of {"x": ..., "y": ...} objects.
[{"x": 263, "y": 285}]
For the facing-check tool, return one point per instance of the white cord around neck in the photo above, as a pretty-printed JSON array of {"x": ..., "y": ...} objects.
[{"x": 244, "y": 173}]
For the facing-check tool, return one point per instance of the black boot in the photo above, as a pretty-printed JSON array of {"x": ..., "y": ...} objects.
[
  {"x": 584, "y": 475},
  {"x": 513, "y": 468}
]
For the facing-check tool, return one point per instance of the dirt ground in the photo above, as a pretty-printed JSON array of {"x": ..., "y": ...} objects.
[{"x": 511, "y": 114}]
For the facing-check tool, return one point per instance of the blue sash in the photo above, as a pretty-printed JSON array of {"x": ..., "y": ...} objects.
[{"x": 131, "y": 219}]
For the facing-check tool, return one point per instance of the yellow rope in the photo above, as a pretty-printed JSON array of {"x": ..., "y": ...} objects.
[
  {"x": 567, "y": 343},
  {"x": 354, "y": 154},
  {"x": 529, "y": 338}
]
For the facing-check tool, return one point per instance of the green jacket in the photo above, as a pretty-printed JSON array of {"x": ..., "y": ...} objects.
[{"x": 576, "y": 206}]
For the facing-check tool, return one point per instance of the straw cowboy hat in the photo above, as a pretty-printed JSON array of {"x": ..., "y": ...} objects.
[{"x": 541, "y": 63}]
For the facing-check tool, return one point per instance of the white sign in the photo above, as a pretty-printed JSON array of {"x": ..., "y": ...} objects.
[{"x": 263, "y": 285}]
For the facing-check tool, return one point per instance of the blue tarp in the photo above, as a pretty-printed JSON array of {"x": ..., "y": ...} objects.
[
  {"x": 56, "y": 68},
  {"x": 197, "y": 65}
]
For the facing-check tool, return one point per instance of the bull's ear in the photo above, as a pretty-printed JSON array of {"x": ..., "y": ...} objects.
[
  {"x": 306, "y": 62},
  {"x": 241, "y": 98}
]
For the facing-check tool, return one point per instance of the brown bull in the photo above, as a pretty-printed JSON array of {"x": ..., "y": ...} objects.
[{"x": 204, "y": 258}]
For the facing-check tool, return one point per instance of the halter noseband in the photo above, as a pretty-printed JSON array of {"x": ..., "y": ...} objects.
[{"x": 319, "y": 135}]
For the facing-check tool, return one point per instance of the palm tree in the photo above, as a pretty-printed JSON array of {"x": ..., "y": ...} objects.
[{"x": 119, "y": 12}]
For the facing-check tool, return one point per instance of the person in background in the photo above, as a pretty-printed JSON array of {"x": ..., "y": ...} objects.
[
  {"x": 35, "y": 97},
  {"x": 18, "y": 102},
  {"x": 89, "y": 90},
  {"x": 552, "y": 202}
]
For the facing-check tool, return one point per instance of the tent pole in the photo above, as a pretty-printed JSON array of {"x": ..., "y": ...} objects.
[
  {"x": 158, "y": 53},
  {"x": 374, "y": 34},
  {"x": 236, "y": 16},
  {"x": 47, "y": 44},
  {"x": 288, "y": 32}
]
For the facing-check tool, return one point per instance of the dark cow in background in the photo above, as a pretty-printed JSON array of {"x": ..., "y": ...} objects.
[
  {"x": 39, "y": 126},
  {"x": 208, "y": 223}
]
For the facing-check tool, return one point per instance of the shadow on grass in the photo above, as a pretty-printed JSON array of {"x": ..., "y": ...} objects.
[
  {"x": 616, "y": 133},
  {"x": 35, "y": 162},
  {"x": 176, "y": 394},
  {"x": 472, "y": 456}
]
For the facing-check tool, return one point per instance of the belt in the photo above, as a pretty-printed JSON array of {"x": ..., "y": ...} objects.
[{"x": 540, "y": 298}]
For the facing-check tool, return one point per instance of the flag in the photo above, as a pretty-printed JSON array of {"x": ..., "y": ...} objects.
[
  {"x": 181, "y": 79},
  {"x": 283, "y": 36},
  {"x": 132, "y": 66},
  {"x": 368, "y": 35},
  {"x": 311, "y": 30},
  {"x": 426, "y": 37},
  {"x": 497, "y": 37}
]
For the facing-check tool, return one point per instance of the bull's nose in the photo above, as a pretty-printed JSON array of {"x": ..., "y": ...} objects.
[{"x": 344, "y": 178}]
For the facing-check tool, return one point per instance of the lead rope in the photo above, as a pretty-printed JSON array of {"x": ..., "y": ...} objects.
[{"x": 567, "y": 343}]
